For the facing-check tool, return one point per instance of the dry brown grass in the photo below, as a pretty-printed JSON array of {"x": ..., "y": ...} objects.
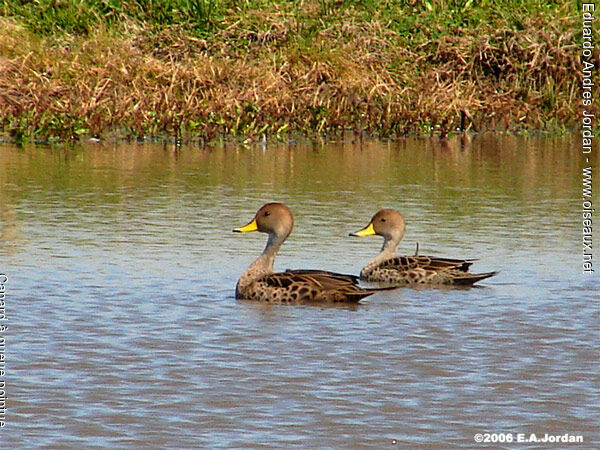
[{"x": 247, "y": 81}]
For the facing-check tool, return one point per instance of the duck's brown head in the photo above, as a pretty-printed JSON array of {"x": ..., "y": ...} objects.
[
  {"x": 272, "y": 218},
  {"x": 387, "y": 223}
]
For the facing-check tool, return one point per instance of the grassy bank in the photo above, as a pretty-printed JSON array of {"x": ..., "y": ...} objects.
[{"x": 203, "y": 68}]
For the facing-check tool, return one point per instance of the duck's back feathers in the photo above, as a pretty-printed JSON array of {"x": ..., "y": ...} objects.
[
  {"x": 316, "y": 272},
  {"x": 402, "y": 270},
  {"x": 306, "y": 286},
  {"x": 427, "y": 263}
]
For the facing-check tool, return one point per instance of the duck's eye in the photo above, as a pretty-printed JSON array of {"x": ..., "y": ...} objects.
[
  {"x": 266, "y": 214},
  {"x": 382, "y": 219}
]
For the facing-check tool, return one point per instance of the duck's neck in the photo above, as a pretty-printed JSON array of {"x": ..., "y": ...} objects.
[
  {"x": 388, "y": 250},
  {"x": 264, "y": 263}
]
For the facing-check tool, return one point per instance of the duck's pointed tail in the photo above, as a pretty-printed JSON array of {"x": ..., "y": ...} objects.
[{"x": 468, "y": 279}]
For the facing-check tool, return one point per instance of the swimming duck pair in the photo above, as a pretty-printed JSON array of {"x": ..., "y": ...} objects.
[{"x": 260, "y": 283}]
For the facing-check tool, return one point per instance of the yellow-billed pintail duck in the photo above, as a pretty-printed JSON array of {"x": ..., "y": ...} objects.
[
  {"x": 260, "y": 283},
  {"x": 404, "y": 270}
]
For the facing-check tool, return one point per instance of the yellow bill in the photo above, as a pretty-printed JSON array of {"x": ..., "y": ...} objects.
[
  {"x": 366, "y": 231},
  {"x": 252, "y": 226}
]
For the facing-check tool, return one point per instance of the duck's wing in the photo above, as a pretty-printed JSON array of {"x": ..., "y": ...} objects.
[
  {"x": 427, "y": 263},
  {"x": 445, "y": 270},
  {"x": 319, "y": 286},
  {"x": 318, "y": 273}
]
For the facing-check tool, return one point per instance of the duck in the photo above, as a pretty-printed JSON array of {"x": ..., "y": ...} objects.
[
  {"x": 395, "y": 270},
  {"x": 260, "y": 283}
]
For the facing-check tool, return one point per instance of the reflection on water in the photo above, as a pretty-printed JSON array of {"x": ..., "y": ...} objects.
[{"x": 124, "y": 330}]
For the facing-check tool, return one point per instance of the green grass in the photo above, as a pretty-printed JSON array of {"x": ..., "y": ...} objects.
[{"x": 81, "y": 17}]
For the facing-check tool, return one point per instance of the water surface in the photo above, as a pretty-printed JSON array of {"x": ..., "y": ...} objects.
[{"x": 124, "y": 330}]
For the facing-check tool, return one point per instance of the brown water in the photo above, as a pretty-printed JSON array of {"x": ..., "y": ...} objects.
[{"x": 124, "y": 330}]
